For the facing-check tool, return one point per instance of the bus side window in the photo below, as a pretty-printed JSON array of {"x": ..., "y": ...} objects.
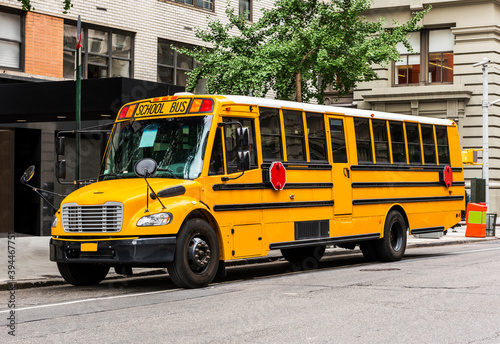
[
  {"x": 363, "y": 140},
  {"x": 442, "y": 143},
  {"x": 428, "y": 143},
  {"x": 316, "y": 136},
  {"x": 232, "y": 145},
  {"x": 217, "y": 158},
  {"x": 381, "y": 140},
  {"x": 397, "y": 142},
  {"x": 413, "y": 137},
  {"x": 339, "y": 151},
  {"x": 294, "y": 135},
  {"x": 270, "y": 134}
]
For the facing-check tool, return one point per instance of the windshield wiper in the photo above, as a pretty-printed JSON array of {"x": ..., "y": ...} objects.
[
  {"x": 110, "y": 175},
  {"x": 169, "y": 171}
]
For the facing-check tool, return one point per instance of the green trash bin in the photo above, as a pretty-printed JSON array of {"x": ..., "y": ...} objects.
[{"x": 491, "y": 220}]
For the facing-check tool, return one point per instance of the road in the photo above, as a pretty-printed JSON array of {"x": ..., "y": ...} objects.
[{"x": 445, "y": 294}]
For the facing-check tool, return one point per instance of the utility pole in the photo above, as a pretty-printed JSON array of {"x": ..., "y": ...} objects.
[{"x": 485, "y": 105}]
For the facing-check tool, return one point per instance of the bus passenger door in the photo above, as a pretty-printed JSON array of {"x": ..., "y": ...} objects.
[
  {"x": 232, "y": 195},
  {"x": 342, "y": 190}
]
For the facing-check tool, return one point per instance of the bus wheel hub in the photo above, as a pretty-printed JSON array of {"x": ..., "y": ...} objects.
[{"x": 198, "y": 254}]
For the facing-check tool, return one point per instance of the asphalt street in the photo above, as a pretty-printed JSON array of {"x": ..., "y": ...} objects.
[{"x": 436, "y": 294}]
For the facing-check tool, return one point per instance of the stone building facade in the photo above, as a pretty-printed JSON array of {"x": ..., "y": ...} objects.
[{"x": 438, "y": 78}]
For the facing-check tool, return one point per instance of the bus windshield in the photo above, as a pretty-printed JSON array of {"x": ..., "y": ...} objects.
[{"x": 177, "y": 144}]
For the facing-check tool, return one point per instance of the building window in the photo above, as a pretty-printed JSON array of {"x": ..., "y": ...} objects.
[
  {"x": 407, "y": 71},
  {"x": 105, "y": 52},
  {"x": 245, "y": 10},
  {"x": 203, "y": 4},
  {"x": 173, "y": 66},
  {"x": 440, "y": 56},
  {"x": 10, "y": 40},
  {"x": 431, "y": 60}
]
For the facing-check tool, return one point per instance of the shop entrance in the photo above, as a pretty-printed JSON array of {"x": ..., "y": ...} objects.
[{"x": 26, "y": 203}]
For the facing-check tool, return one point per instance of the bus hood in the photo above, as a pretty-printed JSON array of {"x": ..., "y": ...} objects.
[{"x": 133, "y": 191}]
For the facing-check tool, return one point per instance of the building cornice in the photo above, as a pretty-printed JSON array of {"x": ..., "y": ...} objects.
[
  {"x": 425, "y": 93},
  {"x": 417, "y": 5}
]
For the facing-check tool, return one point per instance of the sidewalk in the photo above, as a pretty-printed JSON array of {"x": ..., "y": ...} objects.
[{"x": 33, "y": 267}]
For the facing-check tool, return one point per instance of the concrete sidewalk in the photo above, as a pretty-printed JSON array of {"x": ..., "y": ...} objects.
[{"x": 33, "y": 267}]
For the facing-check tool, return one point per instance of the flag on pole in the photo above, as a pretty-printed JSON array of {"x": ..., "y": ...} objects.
[{"x": 78, "y": 34}]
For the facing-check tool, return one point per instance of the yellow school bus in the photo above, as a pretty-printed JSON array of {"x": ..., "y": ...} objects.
[{"x": 191, "y": 181}]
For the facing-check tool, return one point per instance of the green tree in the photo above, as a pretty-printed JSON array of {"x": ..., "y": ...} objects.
[
  {"x": 297, "y": 48},
  {"x": 27, "y": 5}
]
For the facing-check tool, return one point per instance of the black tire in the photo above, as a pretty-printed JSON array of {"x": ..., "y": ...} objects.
[
  {"x": 369, "y": 250},
  {"x": 393, "y": 245},
  {"x": 81, "y": 274},
  {"x": 306, "y": 257},
  {"x": 196, "y": 257}
]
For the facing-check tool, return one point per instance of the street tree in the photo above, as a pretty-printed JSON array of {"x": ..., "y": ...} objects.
[
  {"x": 297, "y": 49},
  {"x": 28, "y": 7}
]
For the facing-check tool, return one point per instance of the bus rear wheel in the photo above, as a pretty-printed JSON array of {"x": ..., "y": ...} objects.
[
  {"x": 393, "y": 245},
  {"x": 196, "y": 257},
  {"x": 306, "y": 257},
  {"x": 81, "y": 274}
]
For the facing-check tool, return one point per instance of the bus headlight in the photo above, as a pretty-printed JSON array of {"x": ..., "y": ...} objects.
[
  {"x": 54, "y": 222},
  {"x": 159, "y": 219}
]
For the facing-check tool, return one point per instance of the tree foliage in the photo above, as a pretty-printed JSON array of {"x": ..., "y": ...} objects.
[
  {"x": 28, "y": 7},
  {"x": 299, "y": 47}
]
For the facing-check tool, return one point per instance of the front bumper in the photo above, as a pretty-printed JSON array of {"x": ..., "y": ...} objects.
[{"x": 126, "y": 251}]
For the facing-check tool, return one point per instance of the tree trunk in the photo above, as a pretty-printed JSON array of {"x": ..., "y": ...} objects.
[{"x": 298, "y": 87}]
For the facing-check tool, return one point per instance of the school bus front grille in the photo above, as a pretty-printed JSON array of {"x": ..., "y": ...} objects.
[{"x": 92, "y": 218}]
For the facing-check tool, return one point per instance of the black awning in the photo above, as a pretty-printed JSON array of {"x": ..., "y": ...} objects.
[{"x": 44, "y": 101}]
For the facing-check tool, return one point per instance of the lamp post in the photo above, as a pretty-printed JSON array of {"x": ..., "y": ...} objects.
[
  {"x": 78, "y": 97},
  {"x": 485, "y": 105}
]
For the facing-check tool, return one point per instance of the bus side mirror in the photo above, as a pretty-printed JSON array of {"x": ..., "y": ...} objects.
[
  {"x": 242, "y": 136},
  {"x": 61, "y": 145},
  {"x": 28, "y": 174},
  {"x": 243, "y": 160},
  {"x": 61, "y": 169}
]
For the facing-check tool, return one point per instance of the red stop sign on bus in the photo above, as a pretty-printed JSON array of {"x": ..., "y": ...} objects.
[
  {"x": 277, "y": 175},
  {"x": 448, "y": 176}
]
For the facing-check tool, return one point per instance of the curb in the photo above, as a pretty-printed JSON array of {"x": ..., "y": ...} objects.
[
  {"x": 36, "y": 283},
  {"x": 454, "y": 242}
]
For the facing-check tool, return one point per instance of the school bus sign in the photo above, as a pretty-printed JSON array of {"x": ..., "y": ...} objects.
[{"x": 162, "y": 108}]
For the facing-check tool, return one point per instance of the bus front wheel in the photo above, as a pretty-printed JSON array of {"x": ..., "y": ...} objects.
[
  {"x": 81, "y": 274},
  {"x": 196, "y": 257},
  {"x": 393, "y": 245},
  {"x": 306, "y": 257}
]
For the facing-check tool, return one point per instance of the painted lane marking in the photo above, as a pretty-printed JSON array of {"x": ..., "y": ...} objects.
[{"x": 89, "y": 300}]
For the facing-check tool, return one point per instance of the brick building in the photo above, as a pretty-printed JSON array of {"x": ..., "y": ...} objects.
[{"x": 126, "y": 55}]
